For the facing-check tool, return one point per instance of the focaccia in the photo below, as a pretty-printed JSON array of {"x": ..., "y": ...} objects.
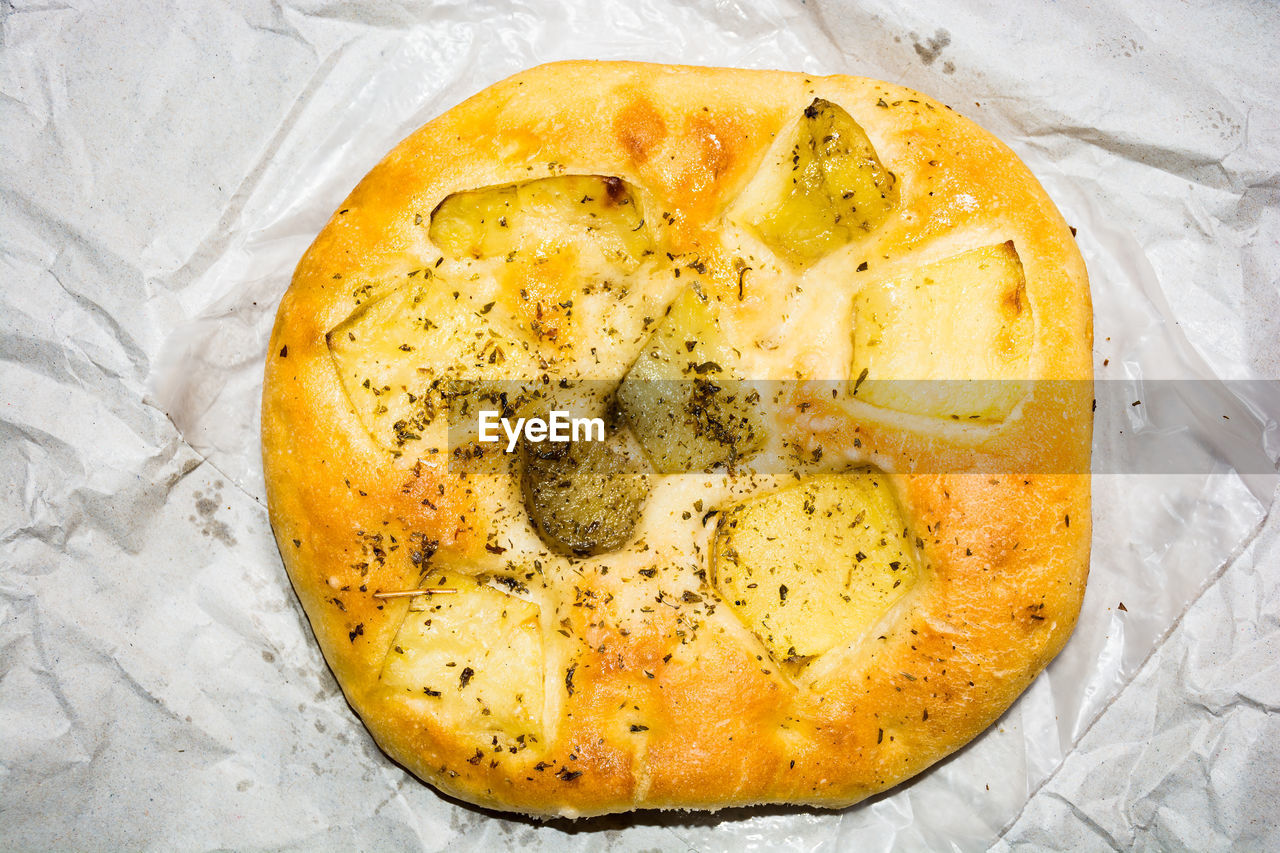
[{"x": 828, "y": 343}]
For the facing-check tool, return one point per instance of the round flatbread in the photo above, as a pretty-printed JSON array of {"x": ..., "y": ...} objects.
[{"x": 826, "y": 346}]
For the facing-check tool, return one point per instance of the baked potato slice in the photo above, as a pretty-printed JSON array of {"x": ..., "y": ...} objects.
[
  {"x": 583, "y": 497},
  {"x": 829, "y": 190},
  {"x": 683, "y": 399},
  {"x": 472, "y": 653},
  {"x": 533, "y": 215},
  {"x": 950, "y": 339},
  {"x": 814, "y": 565}
]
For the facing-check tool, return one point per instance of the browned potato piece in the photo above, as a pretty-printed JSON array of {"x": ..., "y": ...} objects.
[{"x": 583, "y": 497}]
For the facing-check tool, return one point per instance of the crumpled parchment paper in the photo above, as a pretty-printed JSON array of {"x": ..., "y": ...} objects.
[{"x": 166, "y": 164}]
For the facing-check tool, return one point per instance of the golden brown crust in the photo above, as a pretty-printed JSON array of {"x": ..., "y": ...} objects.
[{"x": 677, "y": 708}]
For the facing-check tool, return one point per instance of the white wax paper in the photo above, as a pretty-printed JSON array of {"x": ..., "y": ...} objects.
[{"x": 166, "y": 164}]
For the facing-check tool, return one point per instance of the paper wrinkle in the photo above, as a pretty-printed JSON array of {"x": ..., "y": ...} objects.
[
  {"x": 159, "y": 685},
  {"x": 1200, "y": 767}
]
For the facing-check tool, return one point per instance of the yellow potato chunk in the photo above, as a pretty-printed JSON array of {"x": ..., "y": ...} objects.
[
  {"x": 401, "y": 358},
  {"x": 534, "y": 215},
  {"x": 829, "y": 190},
  {"x": 816, "y": 565},
  {"x": 474, "y": 657},
  {"x": 948, "y": 339},
  {"x": 682, "y": 398}
]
